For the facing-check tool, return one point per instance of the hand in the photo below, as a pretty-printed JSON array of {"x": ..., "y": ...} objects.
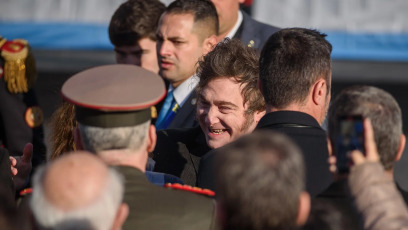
[
  {"x": 13, "y": 163},
  {"x": 332, "y": 164},
  {"x": 333, "y": 169},
  {"x": 371, "y": 152},
  {"x": 357, "y": 156},
  {"x": 332, "y": 159},
  {"x": 21, "y": 166}
]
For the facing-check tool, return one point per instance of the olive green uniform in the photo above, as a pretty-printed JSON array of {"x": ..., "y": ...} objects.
[{"x": 153, "y": 207}]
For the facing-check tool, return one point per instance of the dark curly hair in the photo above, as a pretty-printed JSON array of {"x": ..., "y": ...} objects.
[{"x": 232, "y": 59}]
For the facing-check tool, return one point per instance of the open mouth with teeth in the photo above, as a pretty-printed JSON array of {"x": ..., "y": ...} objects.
[{"x": 217, "y": 131}]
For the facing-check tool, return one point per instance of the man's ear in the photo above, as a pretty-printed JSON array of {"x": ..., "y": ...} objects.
[
  {"x": 209, "y": 44},
  {"x": 401, "y": 147},
  {"x": 303, "y": 209},
  {"x": 78, "y": 139},
  {"x": 319, "y": 92},
  {"x": 121, "y": 215},
  {"x": 151, "y": 139},
  {"x": 258, "y": 115}
]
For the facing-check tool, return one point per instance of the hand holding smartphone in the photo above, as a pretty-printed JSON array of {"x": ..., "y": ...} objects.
[{"x": 349, "y": 133}]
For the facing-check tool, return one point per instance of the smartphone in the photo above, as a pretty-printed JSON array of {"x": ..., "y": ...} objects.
[{"x": 349, "y": 136}]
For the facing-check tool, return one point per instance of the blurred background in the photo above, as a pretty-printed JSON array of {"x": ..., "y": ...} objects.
[{"x": 369, "y": 38}]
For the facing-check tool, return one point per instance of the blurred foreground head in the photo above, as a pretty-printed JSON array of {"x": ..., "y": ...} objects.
[
  {"x": 261, "y": 182},
  {"x": 78, "y": 191}
]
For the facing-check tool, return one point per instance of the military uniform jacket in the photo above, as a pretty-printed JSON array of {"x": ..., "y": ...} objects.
[
  {"x": 153, "y": 207},
  {"x": 20, "y": 116},
  {"x": 14, "y": 131}
]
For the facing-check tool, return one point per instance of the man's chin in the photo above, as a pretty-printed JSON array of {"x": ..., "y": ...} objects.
[
  {"x": 166, "y": 74},
  {"x": 215, "y": 144}
]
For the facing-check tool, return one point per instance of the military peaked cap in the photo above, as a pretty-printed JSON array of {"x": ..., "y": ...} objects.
[{"x": 114, "y": 95}]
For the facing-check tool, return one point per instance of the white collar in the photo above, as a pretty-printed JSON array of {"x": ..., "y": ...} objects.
[
  {"x": 182, "y": 91},
  {"x": 236, "y": 26}
]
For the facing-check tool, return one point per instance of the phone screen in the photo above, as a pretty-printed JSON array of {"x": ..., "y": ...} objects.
[{"x": 350, "y": 136}]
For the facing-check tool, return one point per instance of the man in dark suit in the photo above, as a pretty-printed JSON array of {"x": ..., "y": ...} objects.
[
  {"x": 187, "y": 30},
  {"x": 235, "y": 23},
  {"x": 295, "y": 80},
  {"x": 295, "y": 77},
  {"x": 229, "y": 105},
  {"x": 386, "y": 119},
  {"x": 118, "y": 129}
]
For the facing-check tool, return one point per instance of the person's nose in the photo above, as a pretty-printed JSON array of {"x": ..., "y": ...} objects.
[{"x": 211, "y": 116}]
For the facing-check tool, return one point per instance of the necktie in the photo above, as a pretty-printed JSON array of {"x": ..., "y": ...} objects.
[{"x": 167, "y": 112}]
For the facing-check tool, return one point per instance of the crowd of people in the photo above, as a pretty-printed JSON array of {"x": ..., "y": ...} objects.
[{"x": 209, "y": 120}]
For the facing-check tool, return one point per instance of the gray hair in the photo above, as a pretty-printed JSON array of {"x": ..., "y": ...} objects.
[
  {"x": 99, "y": 215},
  {"x": 383, "y": 111},
  {"x": 96, "y": 139}
]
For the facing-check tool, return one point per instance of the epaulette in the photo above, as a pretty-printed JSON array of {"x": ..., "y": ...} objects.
[
  {"x": 189, "y": 188},
  {"x": 19, "y": 65},
  {"x": 23, "y": 198}
]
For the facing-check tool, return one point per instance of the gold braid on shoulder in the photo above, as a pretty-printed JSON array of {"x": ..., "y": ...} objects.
[{"x": 19, "y": 65}]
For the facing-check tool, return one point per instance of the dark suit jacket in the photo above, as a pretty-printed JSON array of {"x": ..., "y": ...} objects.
[
  {"x": 178, "y": 152},
  {"x": 311, "y": 138},
  {"x": 403, "y": 193},
  {"x": 185, "y": 117},
  {"x": 252, "y": 30},
  {"x": 6, "y": 181},
  {"x": 337, "y": 194},
  {"x": 153, "y": 207},
  {"x": 305, "y": 132},
  {"x": 205, "y": 175}
]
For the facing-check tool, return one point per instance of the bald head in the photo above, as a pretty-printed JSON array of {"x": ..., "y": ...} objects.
[
  {"x": 76, "y": 190},
  {"x": 75, "y": 181}
]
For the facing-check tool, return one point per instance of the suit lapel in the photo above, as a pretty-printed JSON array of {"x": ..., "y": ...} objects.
[{"x": 185, "y": 117}]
